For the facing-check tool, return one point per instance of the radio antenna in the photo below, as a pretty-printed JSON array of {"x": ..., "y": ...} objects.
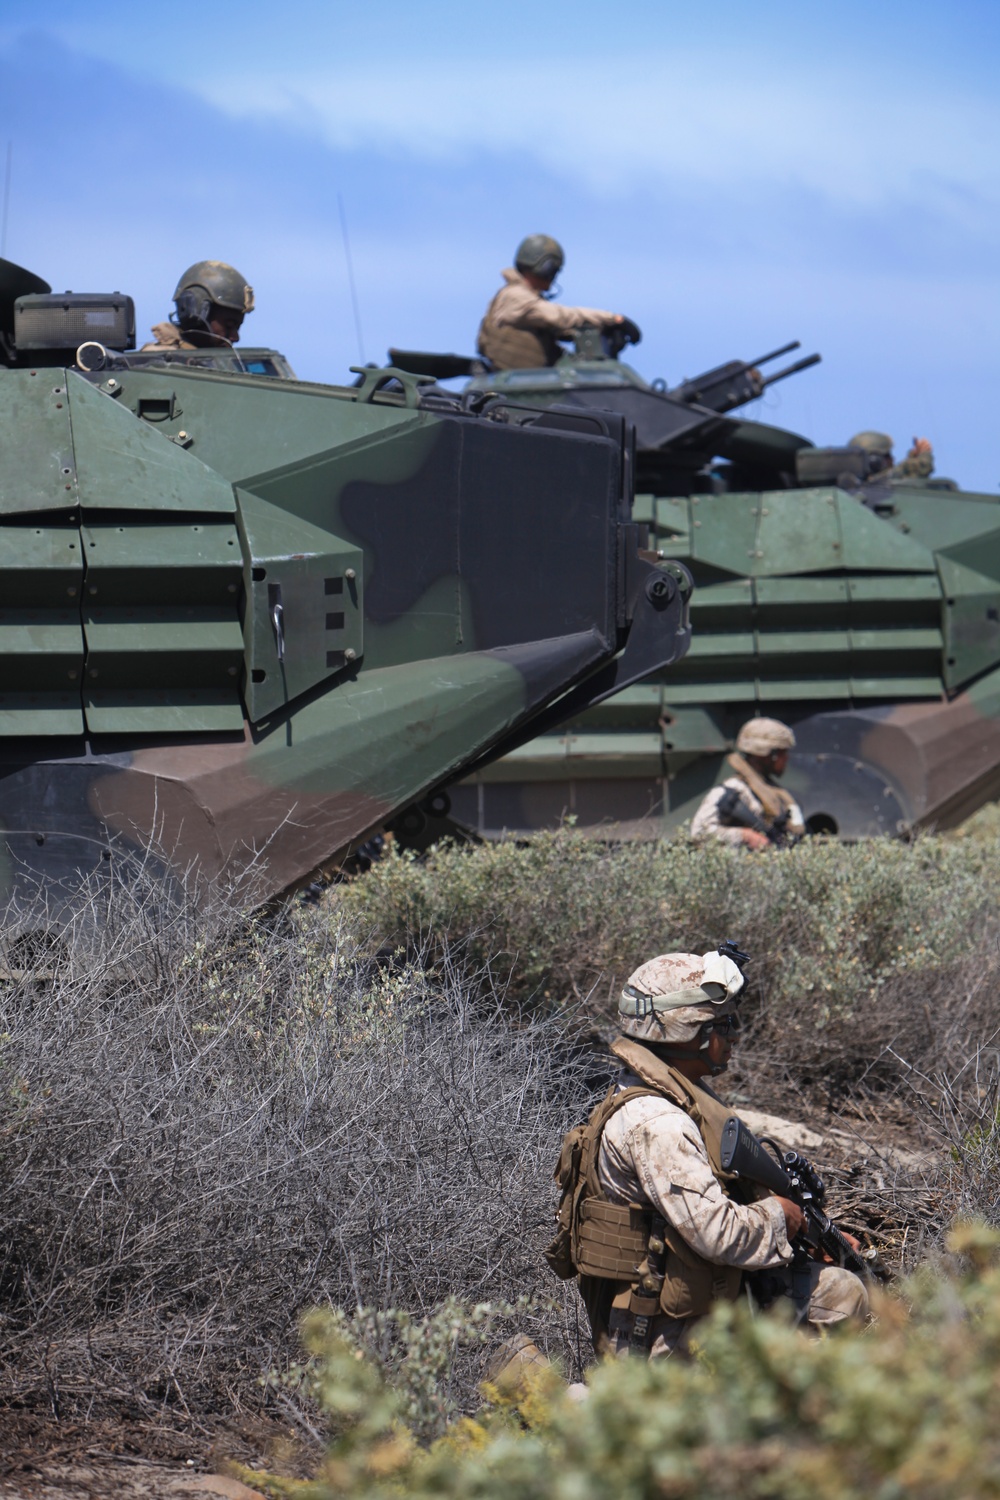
[
  {"x": 6, "y": 202},
  {"x": 350, "y": 276}
]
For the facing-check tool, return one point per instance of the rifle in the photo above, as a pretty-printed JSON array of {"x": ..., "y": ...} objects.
[
  {"x": 734, "y": 813},
  {"x": 790, "y": 1176}
]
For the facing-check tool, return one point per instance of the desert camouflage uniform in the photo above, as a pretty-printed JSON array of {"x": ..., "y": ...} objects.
[
  {"x": 165, "y": 336},
  {"x": 918, "y": 464},
  {"x": 652, "y": 1152},
  {"x": 705, "y": 823},
  {"x": 521, "y": 330},
  {"x": 759, "y": 736},
  {"x": 169, "y": 336}
]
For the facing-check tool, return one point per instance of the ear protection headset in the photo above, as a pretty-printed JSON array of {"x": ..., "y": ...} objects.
[
  {"x": 193, "y": 308},
  {"x": 548, "y": 267}
]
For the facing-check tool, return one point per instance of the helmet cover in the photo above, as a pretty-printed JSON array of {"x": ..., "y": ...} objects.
[
  {"x": 669, "y": 998},
  {"x": 761, "y": 736},
  {"x": 872, "y": 442}
]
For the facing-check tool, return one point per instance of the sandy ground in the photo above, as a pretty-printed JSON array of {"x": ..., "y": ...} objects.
[
  {"x": 118, "y": 1460},
  {"x": 110, "y": 1479}
]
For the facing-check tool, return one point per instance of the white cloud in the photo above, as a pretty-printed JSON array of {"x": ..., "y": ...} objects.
[
  {"x": 724, "y": 203},
  {"x": 695, "y": 118}
]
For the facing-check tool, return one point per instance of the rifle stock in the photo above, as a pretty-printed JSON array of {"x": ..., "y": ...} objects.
[{"x": 745, "y": 1155}]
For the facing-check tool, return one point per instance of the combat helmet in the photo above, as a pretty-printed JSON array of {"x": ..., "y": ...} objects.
[
  {"x": 761, "y": 736},
  {"x": 872, "y": 442},
  {"x": 208, "y": 284},
  {"x": 671, "y": 998},
  {"x": 541, "y": 255}
]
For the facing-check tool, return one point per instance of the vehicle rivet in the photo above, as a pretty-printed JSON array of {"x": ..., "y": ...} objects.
[
  {"x": 350, "y": 654},
  {"x": 350, "y": 573},
  {"x": 231, "y": 671},
  {"x": 71, "y": 676},
  {"x": 111, "y": 385},
  {"x": 182, "y": 436},
  {"x": 92, "y": 672},
  {"x": 230, "y": 588}
]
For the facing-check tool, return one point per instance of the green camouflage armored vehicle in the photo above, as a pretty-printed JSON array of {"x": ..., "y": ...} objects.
[
  {"x": 247, "y": 620},
  {"x": 860, "y": 607}
]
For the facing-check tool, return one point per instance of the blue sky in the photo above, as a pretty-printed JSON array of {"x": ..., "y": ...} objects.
[{"x": 731, "y": 176}]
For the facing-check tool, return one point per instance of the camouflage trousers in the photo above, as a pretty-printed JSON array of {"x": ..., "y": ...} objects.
[{"x": 819, "y": 1295}]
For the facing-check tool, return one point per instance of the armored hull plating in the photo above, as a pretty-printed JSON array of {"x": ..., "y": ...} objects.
[
  {"x": 247, "y": 620},
  {"x": 864, "y": 612}
]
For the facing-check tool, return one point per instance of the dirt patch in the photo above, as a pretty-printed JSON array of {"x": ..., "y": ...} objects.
[{"x": 124, "y": 1460}]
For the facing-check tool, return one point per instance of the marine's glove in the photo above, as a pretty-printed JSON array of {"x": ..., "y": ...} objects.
[{"x": 631, "y": 332}]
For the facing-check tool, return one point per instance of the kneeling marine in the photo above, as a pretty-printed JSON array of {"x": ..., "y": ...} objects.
[{"x": 652, "y": 1223}]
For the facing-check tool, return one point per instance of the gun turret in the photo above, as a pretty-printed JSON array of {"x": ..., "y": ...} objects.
[
  {"x": 678, "y": 432},
  {"x": 739, "y": 381}
]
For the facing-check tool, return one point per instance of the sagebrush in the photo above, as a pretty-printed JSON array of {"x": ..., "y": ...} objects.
[
  {"x": 762, "y": 1412},
  {"x": 200, "y": 1139},
  {"x": 211, "y": 1119},
  {"x": 850, "y": 944}
]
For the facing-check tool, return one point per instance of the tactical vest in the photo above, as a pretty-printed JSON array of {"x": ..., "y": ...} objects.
[
  {"x": 509, "y": 348},
  {"x": 626, "y": 1255},
  {"x": 773, "y": 799}
]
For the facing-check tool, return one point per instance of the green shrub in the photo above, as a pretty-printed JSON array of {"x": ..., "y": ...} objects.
[
  {"x": 416, "y": 1356},
  {"x": 763, "y": 1412},
  {"x": 861, "y": 937},
  {"x": 207, "y": 1125}
]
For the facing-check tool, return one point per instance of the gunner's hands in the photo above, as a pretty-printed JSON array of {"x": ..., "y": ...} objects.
[
  {"x": 852, "y": 1240},
  {"x": 794, "y": 1217},
  {"x": 754, "y": 840},
  {"x": 854, "y": 1243}
]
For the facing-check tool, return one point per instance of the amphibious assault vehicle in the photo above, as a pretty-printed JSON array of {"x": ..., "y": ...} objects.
[
  {"x": 245, "y": 619},
  {"x": 864, "y": 612}
]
